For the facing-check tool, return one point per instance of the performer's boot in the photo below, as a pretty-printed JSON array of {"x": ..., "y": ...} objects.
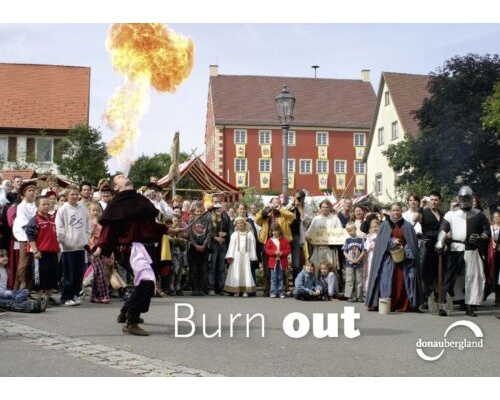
[
  {"x": 469, "y": 310},
  {"x": 131, "y": 326}
]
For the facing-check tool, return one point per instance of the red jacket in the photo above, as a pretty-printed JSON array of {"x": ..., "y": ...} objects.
[{"x": 271, "y": 249}]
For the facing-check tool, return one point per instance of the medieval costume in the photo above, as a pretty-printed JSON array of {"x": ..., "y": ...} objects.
[
  {"x": 323, "y": 252},
  {"x": 129, "y": 222},
  {"x": 241, "y": 251},
  {"x": 429, "y": 259},
  {"x": 468, "y": 228},
  {"x": 399, "y": 281}
]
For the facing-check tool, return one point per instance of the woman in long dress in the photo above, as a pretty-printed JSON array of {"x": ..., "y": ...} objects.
[
  {"x": 325, "y": 221},
  {"x": 399, "y": 281},
  {"x": 240, "y": 254}
]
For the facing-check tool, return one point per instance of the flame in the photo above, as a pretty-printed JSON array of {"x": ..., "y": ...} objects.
[{"x": 147, "y": 55}]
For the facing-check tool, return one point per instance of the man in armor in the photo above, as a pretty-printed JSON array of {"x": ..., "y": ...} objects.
[{"x": 468, "y": 227}]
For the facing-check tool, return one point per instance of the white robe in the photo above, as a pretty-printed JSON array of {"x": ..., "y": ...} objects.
[
  {"x": 242, "y": 251},
  {"x": 323, "y": 253}
]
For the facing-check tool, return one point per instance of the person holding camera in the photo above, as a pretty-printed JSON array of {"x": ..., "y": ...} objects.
[
  {"x": 274, "y": 213},
  {"x": 298, "y": 227}
]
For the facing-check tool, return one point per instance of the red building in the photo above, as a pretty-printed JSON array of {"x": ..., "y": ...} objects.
[{"x": 328, "y": 136}]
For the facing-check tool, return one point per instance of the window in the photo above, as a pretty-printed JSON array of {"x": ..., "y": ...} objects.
[
  {"x": 387, "y": 98},
  {"x": 265, "y": 137},
  {"x": 306, "y": 167},
  {"x": 359, "y": 167},
  {"x": 321, "y": 138},
  {"x": 44, "y": 150},
  {"x": 321, "y": 166},
  {"x": 240, "y": 137},
  {"x": 395, "y": 130},
  {"x": 359, "y": 139},
  {"x": 381, "y": 136},
  {"x": 4, "y": 149},
  {"x": 378, "y": 184},
  {"x": 264, "y": 165},
  {"x": 291, "y": 138},
  {"x": 240, "y": 165},
  {"x": 291, "y": 165},
  {"x": 340, "y": 167}
]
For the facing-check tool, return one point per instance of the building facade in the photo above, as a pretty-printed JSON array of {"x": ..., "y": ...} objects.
[
  {"x": 327, "y": 138},
  {"x": 38, "y": 106},
  {"x": 399, "y": 96}
]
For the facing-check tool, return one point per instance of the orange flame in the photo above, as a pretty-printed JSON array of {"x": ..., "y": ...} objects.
[{"x": 146, "y": 55}]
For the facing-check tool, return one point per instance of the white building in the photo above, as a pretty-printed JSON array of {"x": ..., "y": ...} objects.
[{"x": 399, "y": 96}]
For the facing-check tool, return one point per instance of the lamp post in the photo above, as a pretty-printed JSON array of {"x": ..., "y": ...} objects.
[{"x": 285, "y": 103}]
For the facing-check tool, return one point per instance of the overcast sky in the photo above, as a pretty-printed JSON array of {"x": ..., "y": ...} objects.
[{"x": 341, "y": 51}]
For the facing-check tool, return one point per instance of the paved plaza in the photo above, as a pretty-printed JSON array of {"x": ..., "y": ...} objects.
[{"x": 87, "y": 341}]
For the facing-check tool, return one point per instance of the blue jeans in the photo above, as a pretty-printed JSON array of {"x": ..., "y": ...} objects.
[
  {"x": 216, "y": 268},
  {"x": 16, "y": 295},
  {"x": 277, "y": 280},
  {"x": 73, "y": 265}
]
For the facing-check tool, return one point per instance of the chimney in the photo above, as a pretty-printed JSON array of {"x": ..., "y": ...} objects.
[
  {"x": 213, "y": 70},
  {"x": 365, "y": 75}
]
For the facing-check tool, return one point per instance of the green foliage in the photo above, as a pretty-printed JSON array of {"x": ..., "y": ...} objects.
[
  {"x": 271, "y": 192},
  {"x": 491, "y": 107},
  {"x": 252, "y": 197},
  {"x": 454, "y": 147},
  {"x": 158, "y": 165},
  {"x": 81, "y": 155}
]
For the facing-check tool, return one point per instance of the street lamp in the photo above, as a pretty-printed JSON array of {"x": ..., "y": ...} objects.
[{"x": 285, "y": 103}]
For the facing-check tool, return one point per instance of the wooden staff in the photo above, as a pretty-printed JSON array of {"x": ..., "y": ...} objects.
[{"x": 440, "y": 279}]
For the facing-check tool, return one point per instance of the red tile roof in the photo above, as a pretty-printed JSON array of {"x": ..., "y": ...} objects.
[
  {"x": 408, "y": 92},
  {"x": 43, "y": 96},
  {"x": 10, "y": 174},
  {"x": 249, "y": 100}
]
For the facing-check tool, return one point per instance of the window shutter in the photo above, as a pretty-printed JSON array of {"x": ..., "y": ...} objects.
[
  {"x": 12, "y": 156},
  {"x": 30, "y": 150}
]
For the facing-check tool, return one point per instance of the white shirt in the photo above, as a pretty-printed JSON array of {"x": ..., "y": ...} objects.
[{"x": 25, "y": 211}]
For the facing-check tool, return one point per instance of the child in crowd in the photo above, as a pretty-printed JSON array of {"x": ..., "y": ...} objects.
[
  {"x": 24, "y": 212},
  {"x": 307, "y": 287},
  {"x": 16, "y": 300},
  {"x": 328, "y": 280},
  {"x": 199, "y": 236},
  {"x": 41, "y": 233},
  {"x": 354, "y": 252},
  {"x": 240, "y": 254},
  {"x": 178, "y": 248},
  {"x": 73, "y": 232},
  {"x": 370, "y": 249},
  {"x": 277, "y": 249}
]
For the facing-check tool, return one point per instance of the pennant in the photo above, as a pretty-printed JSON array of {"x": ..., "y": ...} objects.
[
  {"x": 340, "y": 184},
  {"x": 360, "y": 152},
  {"x": 323, "y": 181},
  {"x": 240, "y": 150},
  {"x": 241, "y": 179},
  {"x": 291, "y": 180},
  {"x": 265, "y": 180},
  {"x": 323, "y": 152},
  {"x": 265, "y": 150},
  {"x": 360, "y": 182}
]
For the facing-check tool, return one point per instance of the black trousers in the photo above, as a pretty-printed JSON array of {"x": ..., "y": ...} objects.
[
  {"x": 454, "y": 268},
  {"x": 301, "y": 294},
  {"x": 139, "y": 301},
  {"x": 198, "y": 268}
]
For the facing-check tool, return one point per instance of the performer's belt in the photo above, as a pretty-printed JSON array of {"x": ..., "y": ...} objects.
[{"x": 459, "y": 241}]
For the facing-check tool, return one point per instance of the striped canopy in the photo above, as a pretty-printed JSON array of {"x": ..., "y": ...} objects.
[{"x": 206, "y": 178}]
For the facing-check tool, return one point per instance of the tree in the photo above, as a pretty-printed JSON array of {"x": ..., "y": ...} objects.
[
  {"x": 81, "y": 155},
  {"x": 158, "y": 165},
  {"x": 454, "y": 147}
]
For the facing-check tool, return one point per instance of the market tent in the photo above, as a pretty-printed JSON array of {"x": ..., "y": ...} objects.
[{"x": 207, "y": 179}]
